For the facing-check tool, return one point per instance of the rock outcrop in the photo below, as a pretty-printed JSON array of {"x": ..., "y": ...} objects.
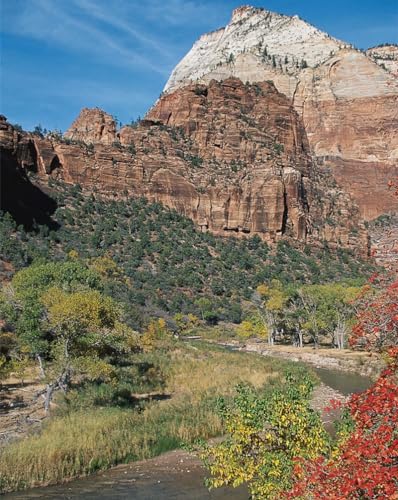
[
  {"x": 92, "y": 126},
  {"x": 233, "y": 157},
  {"x": 384, "y": 238},
  {"x": 386, "y": 56},
  {"x": 348, "y": 103},
  {"x": 26, "y": 202}
]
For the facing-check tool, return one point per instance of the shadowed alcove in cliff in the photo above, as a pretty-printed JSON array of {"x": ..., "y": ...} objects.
[{"x": 27, "y": 203}]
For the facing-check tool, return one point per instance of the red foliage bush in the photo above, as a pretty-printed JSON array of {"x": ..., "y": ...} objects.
[
  {"x": 377, "y": 320},
  {"x": 366, "y": 463}
]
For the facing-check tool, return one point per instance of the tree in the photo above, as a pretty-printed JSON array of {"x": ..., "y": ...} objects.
[
  {"x": 324, "y": 309},
  {"x": 156, "y": 336},
  {"x": 207, "y": 311},
  {"x": 66, "y": 323},
  {"x": 85, "y": 330},
  {"x": 364, "y": 461},
  {"x": 270, "y": 302},
  {"x": 263, "y": 436},
  {"x": 376, "y": 325},
  {"x": 38, "y": 130},
  {"x": 29, "y": 284},
  {"x": 303, "y": 64},
  {"x": 185, "y": 322},
  {"x": 253, "y": 327}
]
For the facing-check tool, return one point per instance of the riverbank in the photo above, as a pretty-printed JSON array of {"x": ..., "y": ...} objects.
[
  {"x": 178, "y": 474},
  {"x": 77, "y": 442},
  {"x": 363, "y": 363}
]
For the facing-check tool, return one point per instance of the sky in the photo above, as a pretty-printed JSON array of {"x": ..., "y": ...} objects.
[{"x": 58, "y": 56}]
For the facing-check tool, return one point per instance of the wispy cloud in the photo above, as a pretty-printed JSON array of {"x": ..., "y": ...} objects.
[
  {"x": 62, "y": 24},
  {"x": 184, "y": 12},
  {"x": 116, "y": 54},
  {"x": 142, "y": 34},
  {"x": 112, "y": 16}
]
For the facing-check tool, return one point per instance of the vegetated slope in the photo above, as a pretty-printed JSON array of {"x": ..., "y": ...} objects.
[
  {"x": 346, "y": 100},
  {"x": 170, "y": 263},
  {"x": 386, "y": 55}
]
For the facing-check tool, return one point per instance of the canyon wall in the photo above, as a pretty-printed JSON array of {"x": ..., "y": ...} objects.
[
  {"x": 233, "y": 157},
  {"x": 348, "y": 102}
]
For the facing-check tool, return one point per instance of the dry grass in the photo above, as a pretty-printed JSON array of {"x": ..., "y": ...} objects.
[
  {"x": 198, "y": 373},
  {"x": 84, "y": 442},
  {"x": 326, "y": 352}
]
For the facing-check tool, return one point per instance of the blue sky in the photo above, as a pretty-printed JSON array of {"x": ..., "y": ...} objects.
[{"x": 58, "y": 56}]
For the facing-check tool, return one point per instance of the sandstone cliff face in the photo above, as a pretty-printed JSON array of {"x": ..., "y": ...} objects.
[
  {"x": 348, "y": 103},
  {"x": 233, "y": 157},
  {"x": 26, "y": 202},
  {"x": 92, "y": 126},
  {"x": 384, "y": 237}
]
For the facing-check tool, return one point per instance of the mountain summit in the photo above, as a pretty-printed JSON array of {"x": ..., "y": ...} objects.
[
  {"x": 254, "y": 43},
  {"x": 348, "y": 101},
  {"x": 268, "y": 127}
]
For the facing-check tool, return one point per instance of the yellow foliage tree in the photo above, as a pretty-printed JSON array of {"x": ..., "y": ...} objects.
[
  {"x": 264, "y": 435},
  {"x": 251, "y": 328},
  {"x": 156, "y": 336},
  {"x": 85, "y": 328},
  {"x": 270, "y": 302}
]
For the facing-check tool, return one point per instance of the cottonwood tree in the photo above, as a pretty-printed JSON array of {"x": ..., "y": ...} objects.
[
  {"x": 85, "y": 331},
  {"x": 270, "y": 302},
  {"x": 323, "y": 310},
  {"x": 67, "y": 324},
  {"x": 252, "y": 327}
]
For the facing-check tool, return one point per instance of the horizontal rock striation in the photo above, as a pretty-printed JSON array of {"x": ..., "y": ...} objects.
[
  {"x": 233, "y": 157},
  {"x": 347, "y": 101}
]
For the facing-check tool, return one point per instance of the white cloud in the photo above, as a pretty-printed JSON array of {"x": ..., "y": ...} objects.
[
  {"x": 114, "y": 17},
  {"x": 59, "y": 24}
]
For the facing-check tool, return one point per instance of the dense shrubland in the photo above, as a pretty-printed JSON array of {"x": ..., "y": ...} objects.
[{"x": 173, "y": 267}]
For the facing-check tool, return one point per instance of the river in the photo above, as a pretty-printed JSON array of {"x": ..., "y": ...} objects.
[{"x": 173, "y": 475}]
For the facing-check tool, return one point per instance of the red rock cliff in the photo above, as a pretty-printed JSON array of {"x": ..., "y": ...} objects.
[
  {"x": 348, "y": 103},
  {"x": 233, "y": 157}
]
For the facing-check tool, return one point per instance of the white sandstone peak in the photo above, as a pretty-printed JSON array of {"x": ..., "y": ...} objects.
[{"x": 254, "y": 40}]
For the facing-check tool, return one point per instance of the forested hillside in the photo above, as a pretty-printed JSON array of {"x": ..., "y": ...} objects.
[{"x": 172, "y": 266}]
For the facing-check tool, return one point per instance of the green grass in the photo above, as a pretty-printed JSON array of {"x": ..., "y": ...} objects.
[{"x": 78, "y": 443}]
